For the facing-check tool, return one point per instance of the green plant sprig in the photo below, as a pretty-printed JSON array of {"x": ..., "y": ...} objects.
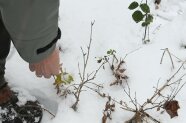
[
  {"x": 63, "y": 78},
  {"x": 110, "y": 53},
  {"x": 142, "y": 14}
]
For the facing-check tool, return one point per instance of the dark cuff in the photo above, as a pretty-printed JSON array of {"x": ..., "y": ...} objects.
[{"x": 45, "y": 48}]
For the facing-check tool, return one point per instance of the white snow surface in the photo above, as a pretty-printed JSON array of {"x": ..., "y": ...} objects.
[{"x": 113, "y": 29}]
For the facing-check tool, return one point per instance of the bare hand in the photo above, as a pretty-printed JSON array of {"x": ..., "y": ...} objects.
[{"x": 47, "y": 67}]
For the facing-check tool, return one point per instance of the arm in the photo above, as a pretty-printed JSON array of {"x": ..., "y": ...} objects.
[{"x": 33, "y": 27}]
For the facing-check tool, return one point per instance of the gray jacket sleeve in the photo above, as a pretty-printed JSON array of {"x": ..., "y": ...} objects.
[{"x": 33, "y": 26}]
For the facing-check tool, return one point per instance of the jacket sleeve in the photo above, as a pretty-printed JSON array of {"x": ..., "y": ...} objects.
[{"x": 33, "y": 26}]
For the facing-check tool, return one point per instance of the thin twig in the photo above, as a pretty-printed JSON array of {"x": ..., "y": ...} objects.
[
  {"x": 131, "y": 52},
  {"x": 167, "y": 50}
]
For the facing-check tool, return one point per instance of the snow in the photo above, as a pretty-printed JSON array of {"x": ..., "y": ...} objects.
[
  {"x": 113, "y": 29},
  {"x": 23, "y": 96}
]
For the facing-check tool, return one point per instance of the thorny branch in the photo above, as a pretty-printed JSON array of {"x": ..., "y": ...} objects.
[
  {"x": 162, "y": 88},
  {"x": 140, "y": 112},
  {"x": 85, "y": 77}
]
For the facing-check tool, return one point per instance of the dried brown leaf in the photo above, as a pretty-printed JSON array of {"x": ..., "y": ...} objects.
[
  {"x": 157, "y": 2},
  {"x": 171, "y": 108}
]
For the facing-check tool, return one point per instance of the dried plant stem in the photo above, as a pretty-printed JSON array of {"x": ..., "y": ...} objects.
[
  {"x": 82, "y": 75},
  {"x": 49, "y": 112},
  {"x": 85, "y": 77},
  {"x": 149, "y": 116},
  {"x": 167, "y": 50},
  {"x": 162, "y": 88}
]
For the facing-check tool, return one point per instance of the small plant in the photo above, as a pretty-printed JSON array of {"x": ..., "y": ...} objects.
[
  {"x": 62, "y": 79},
  {"x": 116, "y": 66},
  {"x": 86, "y": 78},
  {"x": 142, "y": 14},
  {"x": 162, "y": 100}
]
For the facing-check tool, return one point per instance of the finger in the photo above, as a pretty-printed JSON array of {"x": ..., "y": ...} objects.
[
  {"x": 43, "y": 71},
  {"x": 47, "y": 76},
  {"x": 46, "y": 72},
  {"x": 38, "y": 70},
  {"x": 32, "y": 67}
]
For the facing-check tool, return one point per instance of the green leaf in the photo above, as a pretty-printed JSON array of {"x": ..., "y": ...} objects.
[
  {"x": 108, "y": 52},
  {"x": 58, "y": 80},
  {"x": 111, "y": 52},
  {"x": 70, "y": 78},
  {"x": 64, "y": 82},
  {"x": 145, "y": 8},
  {"x": 149, "y": 18},
  {"x": 137, "y": 16},
  {"x": 133, "y": 5}
]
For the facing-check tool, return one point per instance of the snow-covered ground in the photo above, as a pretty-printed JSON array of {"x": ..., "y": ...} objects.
[{"x": 113, "y": 29}]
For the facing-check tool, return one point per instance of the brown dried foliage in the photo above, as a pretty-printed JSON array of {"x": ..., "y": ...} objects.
[
  {"x": 109, "y": 108},
  {"x": 119, "y": 74},
  {"x": 157, "y": 2},
  {"x": 171, "y": 108}
]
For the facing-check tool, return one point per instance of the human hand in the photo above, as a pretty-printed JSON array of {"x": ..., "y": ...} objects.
[{"x": 47, "y": 67}]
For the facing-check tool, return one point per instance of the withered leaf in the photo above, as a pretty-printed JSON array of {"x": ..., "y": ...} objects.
[
  {"x": 171, "y": 108},
  {"x": 157, "y": 2}
]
